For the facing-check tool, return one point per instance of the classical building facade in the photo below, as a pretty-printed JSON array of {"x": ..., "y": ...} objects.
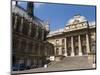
[
  {"x": 29, "y": 46},
  {"x": 78, "y": 38}
]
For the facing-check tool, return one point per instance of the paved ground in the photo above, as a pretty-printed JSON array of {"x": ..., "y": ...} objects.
[{"x": 48, "y": 70}]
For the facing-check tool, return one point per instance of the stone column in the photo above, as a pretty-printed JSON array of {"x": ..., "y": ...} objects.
[
  {"x": 33, "y": 48},
  {"x": 26, "y": 48},
  {"x": 15, "y": 24},
  {"x": 19, "y": 44},
  {"x": 42, "y": 34},
  {"x": 72, "y": 46},
  {"x": 55, "y": 52},
  {"x": 30, "y": 27},
  {"x": 37, "y": 33},
  {"x": 65, "y": 47},
  {"x": 28, "y": 62},
  {"x": 21, "y": 26},
  {"x": 60, "y": 50},
  {"x": 79, "y": 45},
  {"x": 87, "y": 43},
  {"x": 39, "y": 49}
]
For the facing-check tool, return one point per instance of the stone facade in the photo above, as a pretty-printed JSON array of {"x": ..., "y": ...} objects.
[
  {"x": 78, "y": 38},
  {"x": 29, "y": 46}
]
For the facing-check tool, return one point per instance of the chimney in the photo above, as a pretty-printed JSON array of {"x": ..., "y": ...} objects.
[{"x": 30, "y": 8}]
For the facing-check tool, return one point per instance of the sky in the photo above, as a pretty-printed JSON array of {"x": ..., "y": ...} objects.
[{"x": 59, "y": 14}]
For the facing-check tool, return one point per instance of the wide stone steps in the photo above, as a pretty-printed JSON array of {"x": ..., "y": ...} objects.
[
  {"x": 76, "y": 62},
  {"x": 67, "y": 63}
]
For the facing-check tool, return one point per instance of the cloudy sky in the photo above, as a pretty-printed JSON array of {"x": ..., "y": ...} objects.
[{"x": 58, "y": 15}]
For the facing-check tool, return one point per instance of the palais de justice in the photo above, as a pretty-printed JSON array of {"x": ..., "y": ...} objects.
[
  {"x": 78, "y": 38},
  {"x": 34, "y": 45}
]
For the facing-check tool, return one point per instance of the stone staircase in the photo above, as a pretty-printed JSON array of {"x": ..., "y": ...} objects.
[
  {"x": 67, "y": 63},
  {"x": 76, "y": 62}
]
